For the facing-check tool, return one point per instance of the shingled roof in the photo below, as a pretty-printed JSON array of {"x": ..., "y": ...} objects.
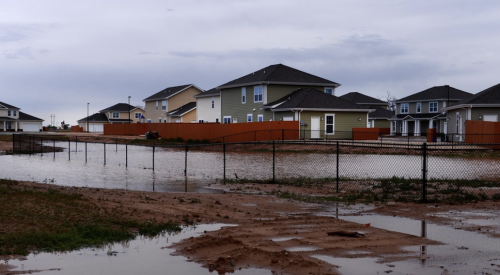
[
  {"x": 360, "y": 98},
  {"x": 380, "y": 113},
  {"x": 170, "y": 91},
  {"x": 211, "y": 92},
  {"x": 120, "y": 107},
  {"x": 97, "y": 117},
  {"x": 26, "y": 117},
  {"x": 7, "y": 106},
  {"x": 309, "y": 98},
  {"x": 279, "y": 74},
  {"x": 488, "y": 96},
  {"x": 182, "y": 110},
  {"x": 437, "y": 92}
]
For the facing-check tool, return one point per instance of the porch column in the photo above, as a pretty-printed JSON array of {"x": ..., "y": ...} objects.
[
  {"x": 15, "y": 123},
  {"x": 431, "y": 124},
  {"x": 4, "y": 125},
  {"x": 417, "y": 128},
  {"x": 405, "y": 128},
  {"x": 393, "y": 126}
]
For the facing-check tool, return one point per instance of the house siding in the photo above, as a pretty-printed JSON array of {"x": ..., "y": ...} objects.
[
  {"x": 204, "y": 109},
  {"x": 480, "y": 112},
  {"x": 452, "y": 122},
  {"x": 382, "y": 123},
  {"x": 343, "y": 124},
  {"x": 173, "y": 103}
]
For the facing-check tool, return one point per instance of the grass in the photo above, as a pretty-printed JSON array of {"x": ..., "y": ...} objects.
[{"x": 39, "y": 220}]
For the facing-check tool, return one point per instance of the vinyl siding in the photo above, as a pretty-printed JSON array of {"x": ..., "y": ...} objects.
[
  {"x": 480, "y": 112},
  {"x": 204, "y": 109},
  {"x": 382, "y": 123},
  {"x": 343, "y": 124}
]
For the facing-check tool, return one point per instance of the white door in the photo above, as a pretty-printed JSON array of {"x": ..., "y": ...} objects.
[
  {"x": 315, "y": 127},
  {"x": 31, "y": 127},
  {"x": 96, "y": 128},
  {"x": 492, "y": 118}
]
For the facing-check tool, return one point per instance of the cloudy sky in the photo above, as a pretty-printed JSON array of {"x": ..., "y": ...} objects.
[{"x": 56, "y": 56}]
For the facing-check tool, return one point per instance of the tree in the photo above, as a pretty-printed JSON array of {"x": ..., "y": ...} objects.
[{"x": 391, "y": 101}]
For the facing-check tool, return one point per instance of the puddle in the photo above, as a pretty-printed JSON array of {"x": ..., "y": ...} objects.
[
  {"x": 140, "y": 256},
  {"x": 249, "y": 204},
  {"x": 284, "y": 239},
  {"x": 302, "y": 248}
]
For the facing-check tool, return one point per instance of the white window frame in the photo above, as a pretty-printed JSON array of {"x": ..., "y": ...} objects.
[
  {"x": 243, "y": 95},
  {"x": 332, "y": 124},
  {"x": 249, "y": 117},
  {"x": 226, "y": 119},
  {"x": 163, "y": 105},
  {"x": 329, "y": 88},
  {"x": 157, "y": 105},
  {"x": 213, "y": 102},
  {"x": 407, "y": 108},
  {"x": 137, "y": 115},
  {"x": 431, "y": 108},
  {"x": 116, "y": 115},
  {"x": 8, "y": 113},
  {"x": 14, "y": 112},
  {"x": 258, "y": 94},
  {"x": 419, "y": 107},
  {"x": 260, "y": 118}
]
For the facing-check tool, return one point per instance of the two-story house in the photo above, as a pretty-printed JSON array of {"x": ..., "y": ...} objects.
[
  {"x": 12, "y": 119},
  {"x": 279, "y": 92},
  {"x": 117, "y": 114},
  {"x": 377, "y": 119},
  {"x": 167, "y": 100},
  {"x": 208, "y": 106},
  {"x": 425, "y": 110}
]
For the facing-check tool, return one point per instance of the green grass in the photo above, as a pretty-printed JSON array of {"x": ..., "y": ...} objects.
[{"x": 38, "y": 220}]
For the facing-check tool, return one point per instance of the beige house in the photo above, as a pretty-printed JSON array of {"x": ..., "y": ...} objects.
[
  {"x": 185, "y": 113},
  {"x": 117, "y": 114},
  {"x": 12, "y": 119},
  {"x": 168, "y": 100}
]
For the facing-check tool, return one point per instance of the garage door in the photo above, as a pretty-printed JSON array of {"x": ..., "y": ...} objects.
[
  {"x": 31, "y": 127},
  {"x": 96, "y": 128},
  {"x": 493, "y": 118}
]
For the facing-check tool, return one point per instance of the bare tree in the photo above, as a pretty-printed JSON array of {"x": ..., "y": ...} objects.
[{"x": 391, "y": 101}]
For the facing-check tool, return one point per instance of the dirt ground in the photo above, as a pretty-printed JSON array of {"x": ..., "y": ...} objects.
[{"x": 260, "y": 218}]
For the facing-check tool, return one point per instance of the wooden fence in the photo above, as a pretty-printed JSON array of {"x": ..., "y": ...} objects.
[
  {"x": 477, "y": 131},
  {"x": 232, "y": 132},
  {"x": 369, "y": 133}
]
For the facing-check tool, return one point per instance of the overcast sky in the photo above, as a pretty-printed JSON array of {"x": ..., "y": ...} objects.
[{"x": 57, "y": 56}]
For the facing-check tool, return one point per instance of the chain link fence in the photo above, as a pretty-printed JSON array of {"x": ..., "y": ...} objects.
[{"x": 400, "y": 171}]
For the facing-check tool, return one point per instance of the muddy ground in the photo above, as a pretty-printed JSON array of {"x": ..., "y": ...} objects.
[{"x": 260, "y": 218}]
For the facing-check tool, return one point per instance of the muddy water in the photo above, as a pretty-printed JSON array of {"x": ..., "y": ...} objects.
[
  {"x": 112, "y": 166},
  {"x": 462, "y": 252},
  {"x": 140, "y": 256}
]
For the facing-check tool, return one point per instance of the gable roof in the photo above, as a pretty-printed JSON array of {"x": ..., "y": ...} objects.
[
  {"x": 381, "y": 113},
  {"x": 120, "y": 107},
  {"x": 360, "y": 98},
  {"x": 186, "y": 108},
  {"x": 98, "y": 117},
  {"x": 169, "y": 92},
  {"x": 25, "y": 116},
  {"x": 7, "y": 106},
  {"x": 211, "y": 92},
  {"x": 309, "y": 98},
  {"x": 437, "y": 92},
  {"x": 488, "y": 96},
  {"x": 279, "y": 74}
]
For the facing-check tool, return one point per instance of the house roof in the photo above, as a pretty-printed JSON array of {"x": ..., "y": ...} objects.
[
  {"x": 99, "y": 117},
  {"x": 186, "y": 108},
  {"x": 211, "y": 92},
  {"x": 26, "y": 117},
  {"x": 309, "y": 98},
  {"x": 120, "y": 107},
  {"x": 279, "y": 74},
  {"x": 360, "y": 98},
  {"x": 170, "y": 91},
  {"x": 380, "y": 113},
  {"x": 488, "y": 96},
  {"x": 437, "y": 92},
  {"x": 7, "y": 106}
]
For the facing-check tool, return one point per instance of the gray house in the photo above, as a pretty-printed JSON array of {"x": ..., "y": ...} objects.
[
  {"x": 425, "y": 110},
  {"x": 484, "y": 106}
]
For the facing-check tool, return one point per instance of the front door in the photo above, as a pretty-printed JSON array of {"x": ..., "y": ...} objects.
[{"x": 315, "y": 130}]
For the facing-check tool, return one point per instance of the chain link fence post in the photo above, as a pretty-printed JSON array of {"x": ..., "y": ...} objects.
[
  {"x": 424, "y": 172},
  {"x": 224, "y": 158},
  {"x": 185, "y": 170},
  {"x": 274, "y": 162},
  {"x": 337, "y": 162}
]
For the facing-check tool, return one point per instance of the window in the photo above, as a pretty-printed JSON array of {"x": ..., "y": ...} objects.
[
  {"x": 137, "y": 115},
  {"x": 164, "y": 120},
  {"x": 249, "y": 117},
  {"x": 235, "y": 120},
  {"x": 404, "y": 108},
  {"x": 433, "y": 107},
  {"x": 8, "y": 112},
  {"x": 116, "y": 115},
  {"x": 243, "y": 95},
  {"x": 329, "y": 124},
  {"x": 157, "y": 105},
  {"x": 329, "y": 91},
  {"x": 419, "y": 107},
  {"x": 217, "y": 120},
  {"x": 149, "y": 120},
  {"x": 260, "y": 118},
  {"x": 213, "y": 102},
  {"x": 227, "y": 119},
  {"x": 164, "y": 105},
  {"x": 257, "y": 93},
  {"x": 159, "y": 120},
  {"x": 14, "y": 112}
]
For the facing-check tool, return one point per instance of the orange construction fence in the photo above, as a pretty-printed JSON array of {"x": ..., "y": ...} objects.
[
  {"x": 369, "y": 133},
  {"x": 232, "y": 132}
]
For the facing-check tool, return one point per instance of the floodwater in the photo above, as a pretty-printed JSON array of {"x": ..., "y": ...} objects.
[
  {"x": 462, "y": 252},
  {"x": 163, "y": 169},
  {"x": 141, "y": 256}
]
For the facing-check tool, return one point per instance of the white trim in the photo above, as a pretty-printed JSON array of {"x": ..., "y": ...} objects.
[
  {"x": 437, "y": 107},
  {"x": 419, "y": 104},
  {"x": 262, "y": 93},
  {"x": 333, "y": 90},
  {"x": 250, "y": 116},
  {"x": 336, "y": 85},
  {"x": 495, "y": 118},
  {"x": 224, "y": 119},
  {"x": 315, "y": 132},
  {"x": 243, "y": 94},
  {"x": 407, "y": 109},
  {"x": 333, "y": 124},
  {"x": 260, "y": 118}
]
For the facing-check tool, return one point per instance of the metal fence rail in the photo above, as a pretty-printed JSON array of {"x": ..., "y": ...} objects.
[{"x": 375, "y": 170}]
